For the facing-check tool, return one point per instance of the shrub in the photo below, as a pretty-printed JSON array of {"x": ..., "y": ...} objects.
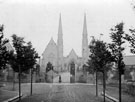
[
  {"x": 82, "y": 79},
  {"x": 130, "y": 89}
]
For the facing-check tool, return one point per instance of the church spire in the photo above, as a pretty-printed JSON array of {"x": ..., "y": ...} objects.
[
  {"x": 60, "y": 27},
  {"x": 85, "y": 26},
  {"x": 60, "y": 44},
  {"x": 85, "y": 40}
]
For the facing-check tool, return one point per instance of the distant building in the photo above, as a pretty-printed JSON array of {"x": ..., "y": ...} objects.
[
  {"x": 129, "y": 67},
  {"x": 54, "y": 52}
]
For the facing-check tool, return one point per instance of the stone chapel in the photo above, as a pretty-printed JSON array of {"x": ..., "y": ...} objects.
[{"x": 53, "y": 52}]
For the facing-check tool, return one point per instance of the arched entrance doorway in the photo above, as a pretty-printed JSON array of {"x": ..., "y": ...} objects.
[{"x": 72, "y": 72}]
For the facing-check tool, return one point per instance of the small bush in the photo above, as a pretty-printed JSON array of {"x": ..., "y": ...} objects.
[
  {"x": 82, "y": 79},
  {"x": 130, "y": 89}
]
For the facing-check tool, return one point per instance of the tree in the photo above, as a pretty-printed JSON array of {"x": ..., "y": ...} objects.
[
  {"x": 24, "y": 57},
  {"x": 131, "y": 40},
  {"x": 91, "y": 65},
  {"x": 132, "y": 3},
  {"x": 4, "y": 53},
  {"x": 49, "y": 67},
  {"x": 100, "y": 58},
  {"x": 37, "y": 70},
  {"x": 117, "y": 36}
]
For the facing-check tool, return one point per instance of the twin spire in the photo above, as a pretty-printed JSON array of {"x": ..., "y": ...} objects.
[
  {"x": 85, "y": 50},
  {"x": 85, "y": 25},
  {"x": 84, "y": 38},
  {"x": 60, "y": 36},
  {"x": 60, "y": 26}
]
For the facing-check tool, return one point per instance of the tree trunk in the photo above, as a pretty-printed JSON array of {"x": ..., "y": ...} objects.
[
  {"x": 104, "y": 84},
  {"x": 19, "y": 84},
  {"x": 96, "y": 85},
  {"x": 119, "y": 65},
  {"x": 31, "y": 81},
  {"x": 13, "y": 80}
]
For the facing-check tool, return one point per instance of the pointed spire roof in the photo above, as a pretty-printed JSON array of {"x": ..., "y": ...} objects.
[
  {"x": 60, "y": 26},
  {"x": 85, "y": 25},
  {"x": 85, "y": 50},
  {"x": 60, "y": 39}
]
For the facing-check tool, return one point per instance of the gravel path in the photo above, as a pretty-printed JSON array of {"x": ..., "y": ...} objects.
[{"x": 64, "y": 93}]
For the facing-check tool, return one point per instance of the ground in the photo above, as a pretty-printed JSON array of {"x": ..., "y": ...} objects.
[
  {"x": 64, "y": 93},
  {"x": 5, "y": 94}
]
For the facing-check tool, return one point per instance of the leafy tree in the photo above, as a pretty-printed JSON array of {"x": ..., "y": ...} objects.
[
  {"x": 49, "y": 67},
  {"x": 132, "y": 3},
  {"x": 90, "y": 67},
  {"x": 24, "y": 57},
  {"x": 4, "y": 53},
  {"x": 37, "y": 70},
  {"x": 117, "y": 36},
  {"x": 131, "y": 40},
  {"x": 100, "y": 57}
]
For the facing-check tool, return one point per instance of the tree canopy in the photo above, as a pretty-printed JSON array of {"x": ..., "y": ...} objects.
[
  {"x": 100, "y": 56},
  {"x": 131, "y": 40},
  {"x": 25, "y": 55},
  {"x": 117, "y": 36},
  {"x": 49, "y": 66},
  {"x": 4, "y": 53}
]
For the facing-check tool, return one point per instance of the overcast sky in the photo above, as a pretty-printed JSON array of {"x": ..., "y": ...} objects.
[{"x": 37, "y": 20}]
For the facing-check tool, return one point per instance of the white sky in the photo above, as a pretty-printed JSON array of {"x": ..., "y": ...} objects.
[{"x": 37, "y": 20}]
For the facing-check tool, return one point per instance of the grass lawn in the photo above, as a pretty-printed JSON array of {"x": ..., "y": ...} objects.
[
  {"x": 114, "y": 92},
  {"x": 6, "y": 93}
]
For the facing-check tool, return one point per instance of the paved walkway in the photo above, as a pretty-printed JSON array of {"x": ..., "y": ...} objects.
[{"x": 64, "y": 93}]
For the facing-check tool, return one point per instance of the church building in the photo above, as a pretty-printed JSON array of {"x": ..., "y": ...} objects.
[{"x": 53, "y": 52}]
